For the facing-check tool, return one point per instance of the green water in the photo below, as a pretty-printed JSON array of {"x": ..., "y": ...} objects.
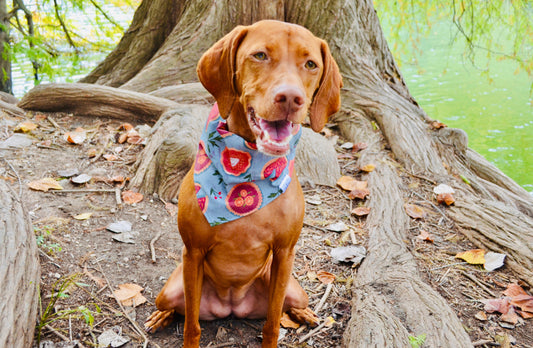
[{"x": 497, "y": 115}]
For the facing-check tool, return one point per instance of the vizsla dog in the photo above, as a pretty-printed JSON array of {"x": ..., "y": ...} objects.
[{"x": 240, "y": 226}]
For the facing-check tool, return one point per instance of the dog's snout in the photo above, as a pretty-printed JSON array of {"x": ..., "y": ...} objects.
[{"x": 289, "y": 98}]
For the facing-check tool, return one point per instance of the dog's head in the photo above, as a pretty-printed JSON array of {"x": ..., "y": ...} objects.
[{"x": 273, "y": 74}]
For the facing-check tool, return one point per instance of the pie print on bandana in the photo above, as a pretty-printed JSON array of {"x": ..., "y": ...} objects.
[{"x": 232, "y": 179}]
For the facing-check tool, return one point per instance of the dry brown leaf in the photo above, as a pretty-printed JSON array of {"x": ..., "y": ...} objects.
[
  {"x": 510, "y": 317},
  {"x": 359, "y": 146},
  {"x": 288, "y": 323},
  {"x": 481, "y": 316},
  {"x": 125, "y": 126},
  {"x": 77, "y": 136},
  {"x": 473, "y": 257},
  {"x": 45, "y": 185},
  {"x": 122, "y": 138},
  {"x": 110, "y": 157},
  {"x": 325, "y": 277},
  {"x": 424, "y": 235},
  {"x": 134, "y": 138},
  {"x": 349, "y": 183},
  {"x": 525, "y": 315},
  {"x": 524, "y": 302},
  {"x": 25, "y": 127},
  {"x": 130, "y": 197},
  {"x": 513, "y": 290},
  {"x": 92, "y": 152},
  {"x": 361, "y": 211},
  {"x": 500, "y": 305},
  {"x": 437, "y": 125},
  {"x": 130, "y": 295},
  {"x": 359, "y": 193},
  {"x": 415, "y": 211},
  {"x": 446, "y": 198},
  {"x": 368, "y": 168}
]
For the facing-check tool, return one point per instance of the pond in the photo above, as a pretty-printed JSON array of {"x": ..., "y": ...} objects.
[{"x": 496, "y": 110}]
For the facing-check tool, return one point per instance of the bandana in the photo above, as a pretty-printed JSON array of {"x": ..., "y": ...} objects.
[{"x": 231, "y": 178}]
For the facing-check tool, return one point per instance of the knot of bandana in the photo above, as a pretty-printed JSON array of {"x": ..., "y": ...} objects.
[{"x": 231, "y": 178}]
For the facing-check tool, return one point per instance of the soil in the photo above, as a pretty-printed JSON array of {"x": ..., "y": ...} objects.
[{"x": 81, "y": 263}]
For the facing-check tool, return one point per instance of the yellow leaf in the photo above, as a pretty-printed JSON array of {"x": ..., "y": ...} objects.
[
  {"x": 130, "y": 295},
  {"x": 83, "y": 216},
  {"x": 368, "y": 168},
  {"x": 329, "y": 321},
  {"x": 26, "y": 127},
  {"x": 473, "y": 257},
  {"x": 45, "y": 185}
]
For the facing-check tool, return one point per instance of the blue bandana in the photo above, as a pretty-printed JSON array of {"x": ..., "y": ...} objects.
[{"x": 231, "y": 178}]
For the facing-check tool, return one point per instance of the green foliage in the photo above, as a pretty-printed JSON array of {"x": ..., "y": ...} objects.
[
  {"x": 70, "y": 36},
  {"x": 44, "y": 240},
  {"x": 60, "y": 290},
  {"x": 417, "y": 341},
  {"x": 490, "y": 29}
]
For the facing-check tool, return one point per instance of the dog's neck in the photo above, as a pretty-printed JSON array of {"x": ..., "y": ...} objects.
[{"x": 238, "y": 123}]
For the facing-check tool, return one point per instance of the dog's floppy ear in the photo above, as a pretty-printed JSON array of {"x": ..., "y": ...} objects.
[
  {"x": 327, "y": 99},
  {"x": 216, "y": 69}
]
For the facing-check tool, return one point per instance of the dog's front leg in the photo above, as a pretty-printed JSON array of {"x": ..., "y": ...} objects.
[
  {"x": 279, "y": 279},
  {"x": 193, "y": 275}
]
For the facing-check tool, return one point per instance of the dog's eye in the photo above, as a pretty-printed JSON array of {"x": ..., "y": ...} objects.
[
  {"x": 310, "y": 65},
  {"x": 260, "y": 56}
]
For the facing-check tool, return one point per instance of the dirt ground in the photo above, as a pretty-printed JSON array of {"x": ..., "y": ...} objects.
[{"x": 81, "y": 263}]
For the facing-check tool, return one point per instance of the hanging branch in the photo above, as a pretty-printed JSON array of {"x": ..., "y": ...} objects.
[
  {"x": 19, "y": 5},
  {"x": 64, "y": 26},
  {"x": 101, "y": 10}
]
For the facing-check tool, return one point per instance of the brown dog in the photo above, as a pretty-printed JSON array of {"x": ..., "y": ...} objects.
[{"x": 266, "y": 78}]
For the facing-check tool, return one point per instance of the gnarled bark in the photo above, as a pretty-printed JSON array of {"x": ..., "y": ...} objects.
[{"x": 19, "y": 272}]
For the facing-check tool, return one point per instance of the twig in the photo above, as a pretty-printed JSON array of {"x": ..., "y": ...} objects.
[
  {"x": 472, "y": 278},
  {"x": 49, "y": 258},
  {"x": 449, "y": 265},
  {"x": 226, "y": 344},
  {"x": 57, "y": 333},
  {"x": 152, "y": 248},
  {"x": 318, "y": 228},
  {"x": 482, "y": 342},
  {"x": 17, "y": 175},
  {"x": 53, "y": 122},
  {"x": 433, "y": 205},
  {"x": 133, "y": 322},
  {"x": 118, "y": 198},
  {"x": 313, "y": 332},
  {"x": 82, "y": 191},
  {"x": 318, "y": 307}
]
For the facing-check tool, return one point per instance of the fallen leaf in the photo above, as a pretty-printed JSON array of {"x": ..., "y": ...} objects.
[
  {"x": 524, "y": 302},
  {"x": 67, "y": 173},
  {"x": 481, "y": 316},
  {"x": 311, "y": 275},
  {"x": 124, "y": 237},
  {"x": 122, "y": 138},
  {"x": 325, "y": 277},
  {"x": 134, "y": 137},
  {"x": 110, "y": 157},
  {"x": 349, "y": 183},
  {"x": 329, "y": 321},
  {"x": 493, "y": 261},
  {"x": 81, "y": 179},
  {"x": 111, "y": 338},
  {"x": 337, "y": 227},
  {"x": 125, "y": 126},
  {"x": 525, "y": 315},
  {"x": 25, "y": 127},
  {"x": 92, "y": 152},
  {"x": 415, "y": 211},
  {"x": 424, "y": 235},
  {"x": 510, "y": 317},
  {"x": 77, "y": 136},
  {"x": 437, "y": 125},
  {"x": 288, "y": 323},
  {"x": 473, "y": 257},
  {"x": 359, "y": 193},
  {"x": 45, "y": 185},
  {"x": 352, "y": 253},
  {"x": 443, "y": 188},
  {"x": 500, "y": 305},
  {"x": 130, "y": 197},
  {"x": 119, "y": 226},
  {"x": 513, "y": 290},
  {"x": 446, "y": 198},
  {"x": 130, "y": 295},
  {"x": 361, "y": 211},
  {"x": 83, "y": 216},
  {"x": 314, "y": 200},
  {"x": 99, "y": 281},
  {"x": 347, "y": 146},
  {"x": 368, "y": 168},
  {"x": 359, "y": 146}
]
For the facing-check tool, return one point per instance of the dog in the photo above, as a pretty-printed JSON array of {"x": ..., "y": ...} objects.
[{"x": 241, "y": 223}]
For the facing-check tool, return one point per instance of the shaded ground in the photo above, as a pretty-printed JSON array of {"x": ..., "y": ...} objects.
[{"x": 85, "y": 250}]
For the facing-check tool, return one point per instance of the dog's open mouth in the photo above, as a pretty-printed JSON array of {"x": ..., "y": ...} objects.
[{"x": 272, "y": 137}]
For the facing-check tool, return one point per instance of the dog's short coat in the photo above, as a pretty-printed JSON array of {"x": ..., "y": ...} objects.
[{"x": 266, "y": 78}]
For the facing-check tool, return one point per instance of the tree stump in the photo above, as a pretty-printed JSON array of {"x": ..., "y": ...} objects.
[{"x": 19, "y": 272}]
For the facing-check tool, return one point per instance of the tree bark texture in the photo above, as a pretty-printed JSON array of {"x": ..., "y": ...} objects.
[
  {"x": 19, "y": 272},
  {"x": 390, "y": 300}
]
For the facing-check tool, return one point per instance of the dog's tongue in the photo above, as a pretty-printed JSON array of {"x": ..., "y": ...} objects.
[
  {"x": 275, "y": 137},
  {"x": 277, "y": 131}
]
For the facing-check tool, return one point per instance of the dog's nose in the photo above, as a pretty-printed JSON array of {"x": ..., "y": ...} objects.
[{"x": 289, "y": 98}]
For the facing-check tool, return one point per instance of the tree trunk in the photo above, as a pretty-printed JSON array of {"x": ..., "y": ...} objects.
[
  {"x": 374, "y": 96},
  {"x": 19, "y": 272},
  {"x": 6, "y": 83}
]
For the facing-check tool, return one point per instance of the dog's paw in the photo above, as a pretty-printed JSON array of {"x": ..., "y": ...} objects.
[
  {"x": 303, "y": 316},
  {"x": 158, "y": 319}
]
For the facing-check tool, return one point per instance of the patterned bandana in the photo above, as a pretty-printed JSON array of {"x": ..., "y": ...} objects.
[{"x": 232, "y": 179}]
